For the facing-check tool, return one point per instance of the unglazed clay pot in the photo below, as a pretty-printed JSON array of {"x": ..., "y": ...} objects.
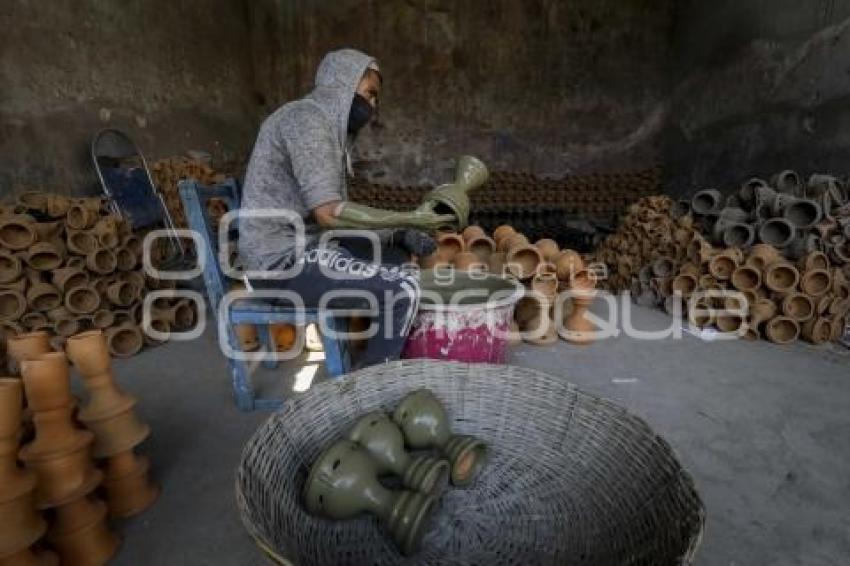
[
  {"x": 481, "y": 246},
  {"x": 473, "y": 232},
  {"x": 523, "y": 261},
  {"x": 568, "y": 263},
  {"x": 781, "y": 277},
  {"x": 802, "y": 213},
  {"x": 47, "y": 381},
  {"x": 465, "y": 261},
  {"x": 17, "y": 232},
  {"x": 738, "y": 235},
  {"x": 90, "y": 544},
  {"x": 13, "y": 304},
  {"x": 80, "y": 242},
  {"x": 89, "y": 353},
  {"x": 28, "y": 346},
  {"x": 35, "y": 321},
  {"x": 546, "y": 284},
  {"x": 125, "y": 259},
  {"x": 102, "y": 261},
  {"x": 436, "y": 260},
  {"x": 781, "y": 330},
  {"x": 425, "y": 425},
  {"x": 43, "y": 297},
  {"x": 814, "y": 260},
  {"x": 762, "y": 255},
  {"x": 449, "y": 245},
  {"x": 102, "y": 319},
  {"x": 44, "y": 256},
  {"x": 503, "y": 232},
  {"x": 106, "y": 231},
  {"x": 746, "y": 278},
  {"x": 513, "y": 241},
  {"x": 723, "y": 265},
  {"x": 578, "y": 329},
  {"x": 817, "y": 331},
  {"x": 80, "y": 217},
  {"x": 777, "y": 232},
  {"x": 816, "y": 282},
  {"x": 548, "y": 248},
  {"x": 454, "y": 198},
  {"x": 67, "y": 278},
  {"x": 10, "y": 267},
  {"x": 787, "y": 182},
  {"x": 706, "y": 202},
  {"x": 121, "y": 293},
  {"x": 497, "y": 263},
  {"x": 82, "y": 300},
  {"x": 798, "y": 307},
  {"x": 129, "y": 489},
  {"x": 343, "y": 483},
  {"x": 384, "y": 441},
  {"x": 124, "y": 341},
  {"x": 729, "y": 323}
]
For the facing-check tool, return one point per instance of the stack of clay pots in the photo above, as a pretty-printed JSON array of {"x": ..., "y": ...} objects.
[
  {"x": 61, "y": 476},
  {"x": 664, "y": 258},
  {"x": 344, "y": 480},
  {"x": 67, "y": 265},
  {"x": 544, "y": 269},
  {"x": 169, "y": 171}
]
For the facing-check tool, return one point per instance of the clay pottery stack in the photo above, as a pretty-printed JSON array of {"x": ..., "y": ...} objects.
[
  {"x": 468, "y": 261},
  {"x": 82, "y": 299},
  {"x": 17, "y": 232},
  {"x": 80, "y": 533},
  {"x": 817, "y": 331},
  {"x": 567, "y": 263},
  {"x": 81, "y": 242},
  {"x": 782, "y": 330},
  {"x": 384, "y": 441},
  {"x": 482, "y": 246},
  {"x": 436, "y": 260},
  {"x": 548, "y": 248},
  {"x": 798, "y": 307},
  {"x": 20, "y": 523},
  {"x": 44, "y": 256},
  {"x": 343, "y": 483},
  {"x": 80, "y": 216},
  {"x": 67, "y": 278},
  {"x": 723, "y": 264},
  {"x": 425, "y": 425},
  {"x": 13, "y": 305},
  {"x": 449, "y": 245},
  {"x": 816, "y": 282},
  {"x": 781, "y": 277},
  {"x": 101, "y": 261},
  {"x": 523, "y": 260},
  {"x": 110, "y": 414},
  {"x": 746, "y": 278},
  {"x": 43, "y": 297}
]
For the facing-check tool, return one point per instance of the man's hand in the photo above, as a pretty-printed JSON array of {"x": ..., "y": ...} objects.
[{"x": 415, "y": 242}]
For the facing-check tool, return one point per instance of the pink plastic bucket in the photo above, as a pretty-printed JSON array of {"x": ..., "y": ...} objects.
[{"x": 463, "y": 317}]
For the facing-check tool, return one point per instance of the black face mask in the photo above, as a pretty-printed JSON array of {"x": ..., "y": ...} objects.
[{"x": 361, "y": 113}]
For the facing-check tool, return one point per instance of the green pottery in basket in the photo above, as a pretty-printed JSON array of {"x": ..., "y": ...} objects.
[
  {"x": 384, "y": 441},
  {"x": 343, "y": 483},
  {"x": 424, "y": 422}
]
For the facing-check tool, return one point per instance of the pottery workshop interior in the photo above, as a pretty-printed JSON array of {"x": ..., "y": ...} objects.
[{"x": 429, "y": 282}]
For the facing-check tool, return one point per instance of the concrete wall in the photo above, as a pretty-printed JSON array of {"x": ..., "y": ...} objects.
[
  {"x": 760, "y": 86},
  {"x": 174, "y": 74},
  {"x": 540, "y": 85}
]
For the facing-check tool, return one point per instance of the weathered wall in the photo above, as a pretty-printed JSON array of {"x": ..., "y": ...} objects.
[
  {"x": 760, "y": 86},
  {"x": 174, "y": 74},
  {"x": 543, "y": 85}
]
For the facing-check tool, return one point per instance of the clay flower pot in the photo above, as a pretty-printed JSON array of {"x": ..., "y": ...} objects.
[
  {"x": 13, "y": 305},
  {"x": 738, "y": 235},
  {"x": 101, "y": 261},
  {"x": 781, "y": 330},
  {"x": 106, "y": 231},
  {"x": 91, "y": 543},
  {"x": 33, "y": 200},
  {"x": 81, "y": 242},
  {"x": 746, "y": 278},
  {"x": 503, "y": 232},
  {"x": 482, "y": 246},
  {"x": 343, "y": 483},
  {"x": 437, "y": 259},
  {"x": 546, "y": 284},
  {"x": 813, "y": 260},
  {"x": 132, "y": 243},
  {"x": 28, "y": 346},
  {"x": 497, "y": 263},
  {"x": 817, "y": 331},
  {"x": 578, "y": 329},
  {"x": 384, "y": 441},
  {"x": 20, "y": 524},
  {"x": 816, "y": 282},
  {"x": 124, "y": 341},
  {"x": 762, "y": 255},
  {"x": 568, "y": 263},
  {"x": 729, "y": 323},
  {"x": 129, "y": 489},
  {"x": 473, "y": 232},
  {"x": 781, "y": 277},
  {"x": 66, "y": 327},
  {"x": 450, "y": 245},
  {"x": 82, "y": 300},
  {"x": 125, "y": 259},
  {"x": 17, "y": 232},
  {"x": 35, "y": 321},
  {"x": 798, "y": 307},
  {"x": 80, "y": 216},
  {"x": 43, "y": 297},
  {"x": 121, "y": 294},
  {"x": 10, "y": 267},
  {"x": 548, "y": 248},
  {"x": 523, "y": 261},
  {"x": 47, "y": 381},
  {"x": 722, "y": 265},
  {"x": 513, "y": 241},
  {"x": 425, "y": 425},
  {"x": 69, "y": 277},
  {"x": 89, "y": 353}
]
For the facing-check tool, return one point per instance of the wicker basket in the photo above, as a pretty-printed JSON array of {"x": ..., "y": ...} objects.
[{"x": 572, "y": 479}]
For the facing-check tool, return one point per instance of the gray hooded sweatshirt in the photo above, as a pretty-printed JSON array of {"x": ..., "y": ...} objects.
[{"x": 299, "y": 162}]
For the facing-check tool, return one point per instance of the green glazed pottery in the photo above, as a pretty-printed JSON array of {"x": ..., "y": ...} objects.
[
  {"x": 424, "y": 422},
  {"x": 454, "y": 197},
  {"x": 384, "y": 441},
  {"x": 343, "y": 483}
]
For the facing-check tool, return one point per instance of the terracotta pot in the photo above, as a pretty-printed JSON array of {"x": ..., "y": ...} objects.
[
  {"x": 425, "y": 425},
  {"x": 781, "y": 277},
  {"x": 160, "y": 326},
  {"x": 116, "y": 427},
  {"x": 125, "y": 259},
  {"x": 343, "y": 483},
  {"x": 121, "y": 294},
  {"x": 798, "y": 307},
  {"x": 702, "y": 314},
  {"x": 77, "y": 514},
  {"x": 729, "y": 323},
  {"x": 13, "y": 305},
  {"x": 92, "y": 544},
  {"x": 247, "y": 336},
  {"x": 722, "y": 265},
  {"x": 10, "y": 267},
  {"x": 813, "y": 260},
  {"x": 777, "y": 232},
  {"x": 66, "y": 327},
  {"x": 43, "y": 297},
  {"x": 568, "y": 263},
  {"x": 481, "y": 246},
  {"x": 69, "y": 277},
  {"x": 47, "y": 381},
  {"x": 435, "y": 260},
  {"x": 55, "y": 431},
  {"x": 129, "y": 489},
  {"x": 20, "y": 285},
  {"x": 816, "y": 282},
  {"x": 746, "y": 278},
  {"x": 35, "y": 321},
  {"x": 76, "y": 262},
  {"x": 762, "y": 255},
  {"x": 513, "y": 241},
  {"x": 782, "y": 330},
  {"x": 20, "y": 524},
  {"x": 503, "y": 232},
  {"x": 523, "y": 261},
  {"x": 81, "y": 242},
  {"x": 762, "y": 311},
  {"x": 548, "y": 248},
  {"x": 27, "y": 346},
  {"x": 546, "y": 284},
  {"x": 89, "y": 353},
  {"x": 11, "y": 405},
  {"x": 17, "y": 232},
  {"x": 181, "y": 315},
  {"x": 58, "y": 206},
  {"x": 473, "y": 232},
  {"x": 577, "y": 328},
  {"x": 124, "y": 317},
  {"x": 101, "y": 261},
  {"x": 124, "y": 341},
  {"x": 817, "y": 331},
  {"x": 284, "y": 336},
  {"x": 80, "y": 216},
  {"x": 384, "y": 441},
  {"x": 33, "y": 200},
  {"x": 106, "y": 231},
  {"x": 450, "y": 245},
  {"x": 497, "y": 263},
  {"x": 82, "y": 300}
]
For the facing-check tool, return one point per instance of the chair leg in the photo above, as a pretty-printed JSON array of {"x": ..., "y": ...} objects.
[
  {"x": 334, "y": 355},
  {"x": 243, "y": 391},
  {"x": 267, "y": 342}
]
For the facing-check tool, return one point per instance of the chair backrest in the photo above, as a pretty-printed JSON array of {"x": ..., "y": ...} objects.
[{"x": 195, "y": 199}]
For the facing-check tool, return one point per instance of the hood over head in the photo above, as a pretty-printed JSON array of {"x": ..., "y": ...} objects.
[{"x": 336, "y": 84}]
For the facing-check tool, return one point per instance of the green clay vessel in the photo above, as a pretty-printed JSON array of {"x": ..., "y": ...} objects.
[
  {"x": 453, "y": 198},
  {"x": 384, "y": 441},
  {"x": 425, "y": 425},
  {"x": 343, "y": 483}
]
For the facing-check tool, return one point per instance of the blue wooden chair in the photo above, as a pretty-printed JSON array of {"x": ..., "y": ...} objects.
[{"x": 251, "y": 311}]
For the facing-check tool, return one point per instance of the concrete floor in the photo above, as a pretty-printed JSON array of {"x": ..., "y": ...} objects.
[{"x": 765, "y": 431}]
